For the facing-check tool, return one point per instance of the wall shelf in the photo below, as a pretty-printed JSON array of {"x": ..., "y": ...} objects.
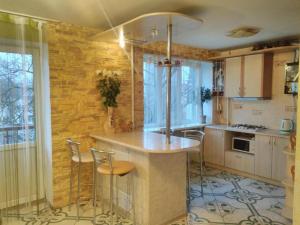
[{"x": 230, "y": 54}]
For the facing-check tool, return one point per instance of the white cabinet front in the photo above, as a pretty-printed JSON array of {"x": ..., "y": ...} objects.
[
  {"x": 233, "y": 67},
  {"x": 263, "y": 156},
  {"x": 239, "y": 161},
  {"x": 253, "y": 75},
  {"x": 270, "y": 161},
  {"x": 214, "y": 146},
  {"x": 279, "y": 159}
]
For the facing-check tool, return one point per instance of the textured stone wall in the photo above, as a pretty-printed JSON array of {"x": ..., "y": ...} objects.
[{"x": 75, "y": 102}]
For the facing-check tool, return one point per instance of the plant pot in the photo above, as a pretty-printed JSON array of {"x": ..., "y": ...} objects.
[{"x": 203, "y": 119}]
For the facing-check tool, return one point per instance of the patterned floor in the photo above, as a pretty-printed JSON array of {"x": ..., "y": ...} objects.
[
  {"x": 234, "y": 200},
  {"x": 228, "y": 199}
]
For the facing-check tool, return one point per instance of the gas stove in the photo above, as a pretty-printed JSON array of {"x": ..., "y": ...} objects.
[{"x": 247, "y": 127}]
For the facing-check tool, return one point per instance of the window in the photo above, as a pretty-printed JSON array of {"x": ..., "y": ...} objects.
[
  {"x": 17, "y": 98},
  {"x": 186, "y": 83}
]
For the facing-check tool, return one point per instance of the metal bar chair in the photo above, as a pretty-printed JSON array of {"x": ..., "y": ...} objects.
[
  {"x": 196, "y": 135},
  {"x": 105, "y": 165},
  {"x": 77, "y": 158}
]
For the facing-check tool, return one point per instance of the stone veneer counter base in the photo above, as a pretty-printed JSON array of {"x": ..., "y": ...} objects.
[{"x": 160, "y": 175}]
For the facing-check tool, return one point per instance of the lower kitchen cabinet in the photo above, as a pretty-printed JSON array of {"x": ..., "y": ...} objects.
[
  {"x": 279, "y": 158},
  {"x": 269, "y": 159},
  {"x": 263, "y": 156},
  {"x": 239, "y": 161},
  {"x": 214, "y": 146}
]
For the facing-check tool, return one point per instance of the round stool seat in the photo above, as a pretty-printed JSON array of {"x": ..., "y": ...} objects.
[
  {"x": 86, "y": 157},
  {"x": 120, "y": 168}
]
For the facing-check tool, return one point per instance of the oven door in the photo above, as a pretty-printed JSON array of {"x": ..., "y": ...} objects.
[{"x": 240, "y": 144}]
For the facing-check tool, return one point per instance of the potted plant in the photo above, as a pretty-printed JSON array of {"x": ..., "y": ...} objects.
[
  {"x": 205, "y": 96},
  {"x": 109, "y": 88}
]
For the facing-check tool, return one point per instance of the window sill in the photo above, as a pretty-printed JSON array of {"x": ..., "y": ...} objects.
[{"x": 176, "y": 128}]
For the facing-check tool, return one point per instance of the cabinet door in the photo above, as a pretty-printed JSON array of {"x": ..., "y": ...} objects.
[
  {"x": 214, "y": 146},
  {"x": 253, "y": 75},
  {"x": 239, "y": 161},
  {"x": 279, "y": 159},
  {"x": 219, "y": 149},
  {"x": 263, "y": 155},
  {"x": 233, "y": 70},
  {"x": 208, "y": 146}
]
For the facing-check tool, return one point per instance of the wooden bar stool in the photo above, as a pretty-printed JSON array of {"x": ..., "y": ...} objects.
[
  {"x": 104, "y": 165},
  {"x": 77, "y": 159}
]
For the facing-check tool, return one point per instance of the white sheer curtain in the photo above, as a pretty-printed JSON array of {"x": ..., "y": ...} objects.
[
  {"x": 24, "y": 118},
  {"x": 186, "y": 83}
]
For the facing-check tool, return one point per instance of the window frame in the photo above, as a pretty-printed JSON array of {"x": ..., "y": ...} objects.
[
  {"x": 35, "y": 52},
  {"x": 160, "y": 105}
]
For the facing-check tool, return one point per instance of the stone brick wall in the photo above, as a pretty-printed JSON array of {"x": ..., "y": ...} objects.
[
  {"x": 76, "y": 106},
  {"x": 75, "y": 101}
]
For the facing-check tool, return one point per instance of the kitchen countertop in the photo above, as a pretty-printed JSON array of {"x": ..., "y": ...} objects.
[
  {"x": 268, "y": 132},
  {"x": 148, "y": 142}
]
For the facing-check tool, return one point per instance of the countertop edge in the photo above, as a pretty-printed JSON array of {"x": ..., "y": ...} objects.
[
  {"x": 139, "y": 149},
  {"x": 267, "y": 132}
]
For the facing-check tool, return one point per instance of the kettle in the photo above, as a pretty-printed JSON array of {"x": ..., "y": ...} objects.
[{"x": 286, "y": 126}]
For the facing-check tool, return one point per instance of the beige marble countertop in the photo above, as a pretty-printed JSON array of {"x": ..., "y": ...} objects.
[
  {"x": 268, "y": 132},
  {"x": 148, "y": 142}
]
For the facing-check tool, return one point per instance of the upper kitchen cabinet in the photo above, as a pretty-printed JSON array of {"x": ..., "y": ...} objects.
[
  {"x": 249, "y": 76},
  {"x": 233, "y": 70}
]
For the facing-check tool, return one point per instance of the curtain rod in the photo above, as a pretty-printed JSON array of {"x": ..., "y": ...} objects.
[{"x": 28, "y": 16}]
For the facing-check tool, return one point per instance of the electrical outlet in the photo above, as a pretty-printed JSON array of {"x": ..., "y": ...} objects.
[
  {"x": 289, "y": 108},
  {"x": 237, "y": 106},
  {"x": 256, "y": 112}
]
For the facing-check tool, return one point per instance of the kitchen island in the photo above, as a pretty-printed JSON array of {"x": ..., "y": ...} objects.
[{"x": 160, "y": 175}]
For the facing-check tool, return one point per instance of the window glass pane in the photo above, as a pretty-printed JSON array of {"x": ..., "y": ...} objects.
[
  {"x": 16, "y": 92},
  {"x": 185, "y": 91}
]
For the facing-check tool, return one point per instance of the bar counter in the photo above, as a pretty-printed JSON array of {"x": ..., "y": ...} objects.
[{"x": 160, "y": 175}]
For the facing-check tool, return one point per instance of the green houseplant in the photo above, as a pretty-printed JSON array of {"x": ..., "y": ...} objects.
[
  {"x": 109, "y": 88},
  {"x": 205, "y": 96}
]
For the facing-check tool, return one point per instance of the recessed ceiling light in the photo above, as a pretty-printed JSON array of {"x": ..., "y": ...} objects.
[{"x": 242, "y": 32}]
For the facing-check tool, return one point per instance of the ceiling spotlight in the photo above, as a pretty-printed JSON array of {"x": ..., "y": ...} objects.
[
  {"x": 121, "y": 38},
  {"x": 242, "y": 32}
]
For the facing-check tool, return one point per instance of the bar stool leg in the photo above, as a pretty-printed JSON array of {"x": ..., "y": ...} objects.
[
  {"x": 132, "y": 198},
  {"x": 93, "y": 180},
  {"x": 188, "y": 181},
  {"x": 102, "y": 194},
  {"x": 95, "y": 194},
  {"x": 78, "y": 191},
  {"x": 71, "y": 186},
  {"x": 117, "y": 197},
  {"x": 201, "y": 171},
  {"x": 111, "y": 199}
]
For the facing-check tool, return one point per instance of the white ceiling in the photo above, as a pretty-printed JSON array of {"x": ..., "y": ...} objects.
[{"x": 276, "y": 18}]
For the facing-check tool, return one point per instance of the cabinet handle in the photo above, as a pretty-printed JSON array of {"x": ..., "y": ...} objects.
[
  {"x": 237, "y": 156},
  {"x": 269, "y": 140},
  {"x": 275, "y": 141}
]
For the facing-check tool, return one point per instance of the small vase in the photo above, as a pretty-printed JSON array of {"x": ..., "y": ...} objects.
[
  {"x": 109, "y": 125},
  {"x": 111, "y": 116}
]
